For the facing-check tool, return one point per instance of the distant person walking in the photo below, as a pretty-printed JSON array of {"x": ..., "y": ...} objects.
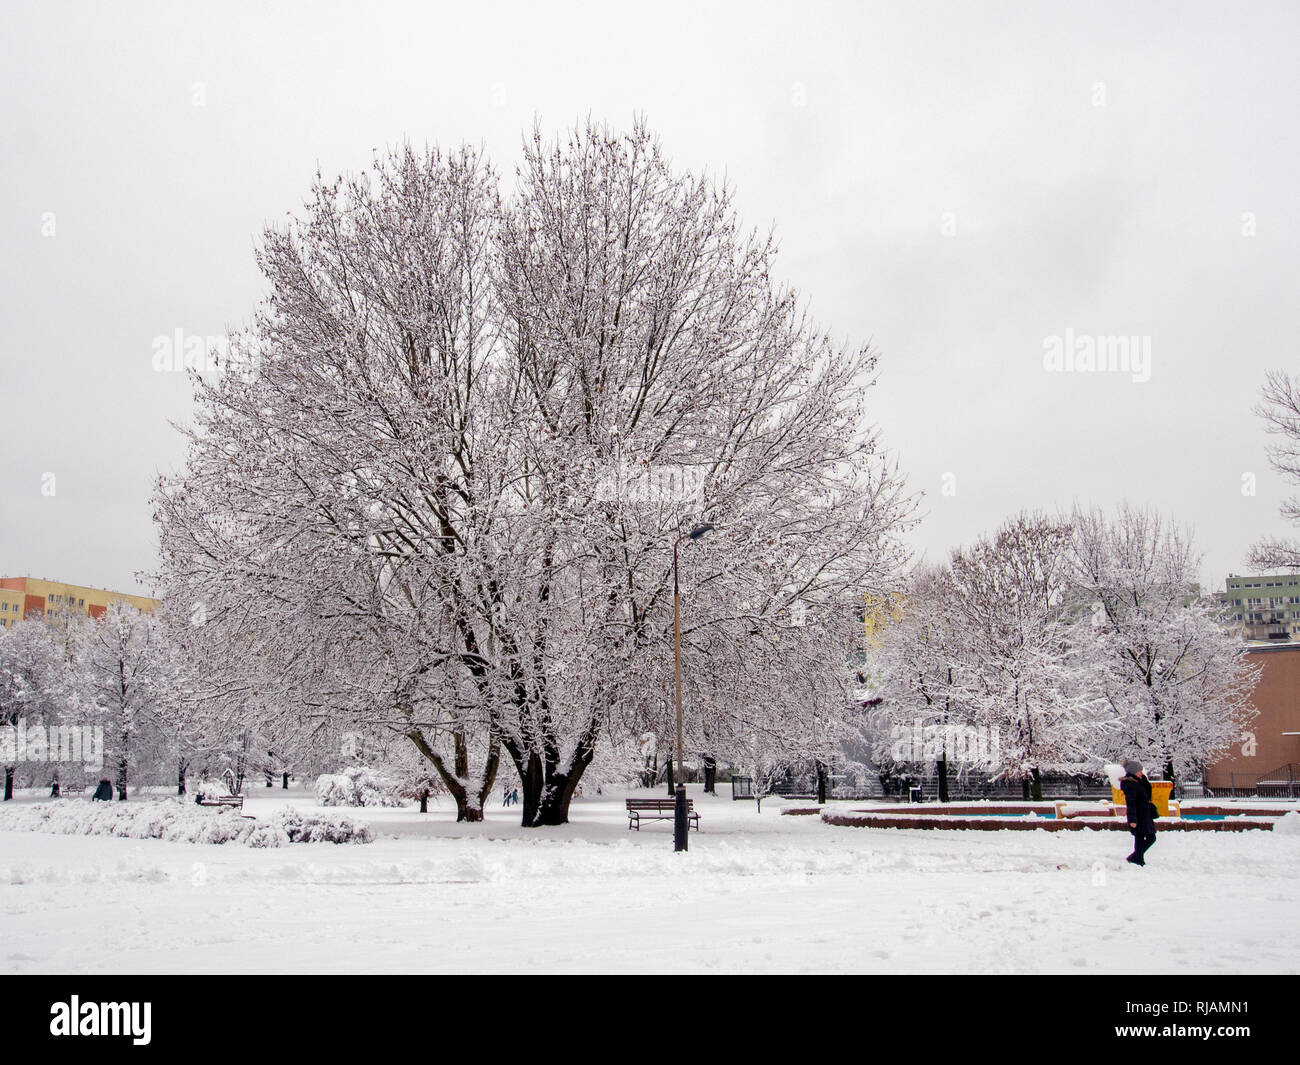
[{"x": 1139, "y": 810}]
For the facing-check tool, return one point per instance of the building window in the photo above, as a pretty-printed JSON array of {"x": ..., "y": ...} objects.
[{"x": 81, "y": 602}]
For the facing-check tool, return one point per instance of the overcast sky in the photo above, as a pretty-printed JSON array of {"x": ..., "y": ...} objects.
[{"x": 957, "y": 183}]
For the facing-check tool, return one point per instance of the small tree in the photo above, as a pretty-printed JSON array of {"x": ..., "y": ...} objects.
[
  {"x": 1176, "y": 682},
  {"x": 1023, "y": 676},
  {"x": 128, "y": 671},
  {"x": 1279, "y": 407},
  {"x": 918, "y": 664},
  {"x": 34, "y": 682}
]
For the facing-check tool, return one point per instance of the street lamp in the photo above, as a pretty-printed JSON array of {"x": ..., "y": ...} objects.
[{"x": 680, "y": 825}]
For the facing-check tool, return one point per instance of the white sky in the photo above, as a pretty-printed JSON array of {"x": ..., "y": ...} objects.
[{"x": 855, "y": 128}]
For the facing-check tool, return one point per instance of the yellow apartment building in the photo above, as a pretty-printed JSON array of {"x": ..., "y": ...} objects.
[{"x": 21, "y": 597}]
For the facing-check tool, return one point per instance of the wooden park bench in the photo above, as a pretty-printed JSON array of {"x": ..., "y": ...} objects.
[
  {"x": 658, "y": 810},
  {"x": 237, "y": 801}
]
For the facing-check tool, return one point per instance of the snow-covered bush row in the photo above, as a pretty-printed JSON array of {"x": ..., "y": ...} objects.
[
  {"x": 179, "y": 821},
  {"x": 357, "y": 786},
  {"x": 322, "y": 828}
]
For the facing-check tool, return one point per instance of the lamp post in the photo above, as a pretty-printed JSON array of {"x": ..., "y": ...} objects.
[{"x": 680, "y": 825}]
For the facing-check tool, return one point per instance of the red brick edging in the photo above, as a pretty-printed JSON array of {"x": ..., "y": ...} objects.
[{"x": 1039, "y": 824}]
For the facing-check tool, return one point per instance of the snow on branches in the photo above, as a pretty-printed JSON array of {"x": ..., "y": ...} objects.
[
  {"x": 442, "y": 498},
  {"x": 1073, "y": 641}
]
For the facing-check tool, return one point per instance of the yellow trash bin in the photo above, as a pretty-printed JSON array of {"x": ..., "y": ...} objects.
[{"x": 1160, "y": 792}]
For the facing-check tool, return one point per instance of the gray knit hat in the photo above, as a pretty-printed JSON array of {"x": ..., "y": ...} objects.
[{"x": 1132, "y": 766}]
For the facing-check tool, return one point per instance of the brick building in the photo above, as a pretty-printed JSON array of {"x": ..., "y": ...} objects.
[{"x": 1272, "y": 750}]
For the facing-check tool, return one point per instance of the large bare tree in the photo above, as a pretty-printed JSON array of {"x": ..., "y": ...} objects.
[{"x": 405, "y": 497}]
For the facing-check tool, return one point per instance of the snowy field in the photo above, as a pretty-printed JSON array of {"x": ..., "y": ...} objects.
[{"x": 756, "y": 893}]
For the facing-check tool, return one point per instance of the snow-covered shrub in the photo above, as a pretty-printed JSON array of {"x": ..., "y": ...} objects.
[
  {"x": 179, "y": 821},
  {"x": 322, "y": 828},
  {"x": 357, "y": 786},
  {"x": 1288, "y": 824},
  {"x": 267, "y": 836}
]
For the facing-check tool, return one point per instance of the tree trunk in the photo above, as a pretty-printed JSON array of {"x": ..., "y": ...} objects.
[
  {"x": 466, "y": 810},
  {"x": 530, "y": 780},
  {"x": 121, "y": 780},
  {"x": 650, "y": 773},
  {"x": 554, "y": 807},
  {"x": 424, "y": 800},
  {"x": 821, "y": 783},
  {"x": 1024, "y": 788},
  {"x": 468, "y": 807},
  {"x": 1169, "y": 776},
  {"x": 180, "y": 776},
  {"x": 546, "y": 797},
  {"x": 270, "y": 781},
  {"x": 941, "y": 768},
  {"x": 9, "y": 782},
  {"x": 710, "y": 775},
  {"x": 284, "y": 781},
  {"x": 1038, "y": 785},
  {"x": 669, "y": 778}
]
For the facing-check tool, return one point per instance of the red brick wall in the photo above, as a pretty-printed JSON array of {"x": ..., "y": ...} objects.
[{"x": 1277, "y": 698}]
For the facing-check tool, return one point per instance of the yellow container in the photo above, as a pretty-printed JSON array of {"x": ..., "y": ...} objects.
[{"x": 1160, "y": 792}]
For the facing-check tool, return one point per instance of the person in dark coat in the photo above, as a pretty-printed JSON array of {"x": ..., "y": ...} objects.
[
  {"x": 1139, "y": 811},
  {"x": 104, "y": 793}
]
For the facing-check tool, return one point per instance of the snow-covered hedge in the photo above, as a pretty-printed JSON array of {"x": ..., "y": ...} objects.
[
  {"x": 180, "y": 821},
  {"x": 357, "y": 786}
]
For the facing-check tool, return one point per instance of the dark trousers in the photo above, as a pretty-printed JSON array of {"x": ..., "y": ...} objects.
[{"x": 1142, "y": 842}]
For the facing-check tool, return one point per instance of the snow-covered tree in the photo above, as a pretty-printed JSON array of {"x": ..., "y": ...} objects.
[
  {"x": 1279, "y": 407},
  {"x": 127, "y": 671},
  {"x": 1177, "y": 682},
  {"x": 1023, "y": 674},
  {"x": 34, "y": 682},
  {"x": 918, "y": 665},
  {"x": 403, "y": 501}
]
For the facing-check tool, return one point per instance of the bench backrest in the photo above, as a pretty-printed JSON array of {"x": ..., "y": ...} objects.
[{"x": 657, "y": 804}]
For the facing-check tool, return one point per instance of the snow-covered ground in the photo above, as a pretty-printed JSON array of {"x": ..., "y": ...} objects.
[{"x": 756, "y": 893}]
